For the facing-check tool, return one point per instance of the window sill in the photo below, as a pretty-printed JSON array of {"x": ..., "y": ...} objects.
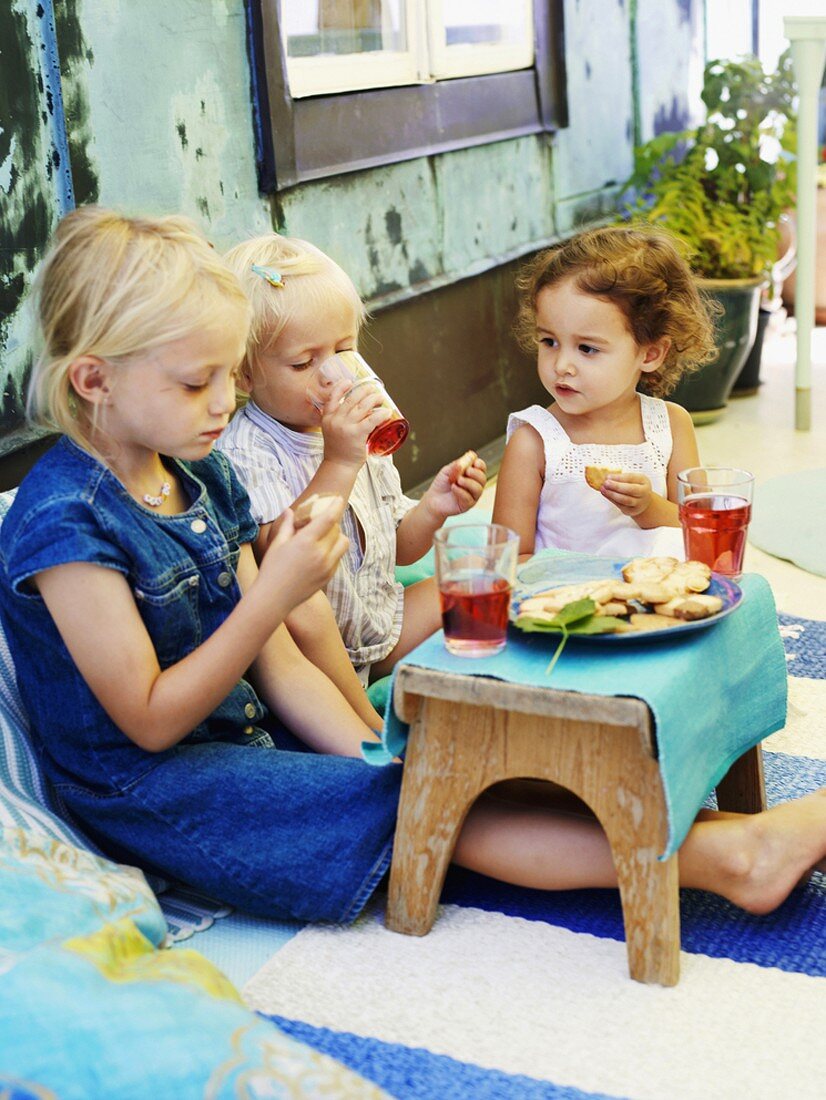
[{"x": 326, "y": 135}]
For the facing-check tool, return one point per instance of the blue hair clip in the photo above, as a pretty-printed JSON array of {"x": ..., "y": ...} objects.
[{"x": 269, "y": 275}]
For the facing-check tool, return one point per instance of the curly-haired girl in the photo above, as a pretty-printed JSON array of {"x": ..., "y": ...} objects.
[{"x": 609, "y": 310}]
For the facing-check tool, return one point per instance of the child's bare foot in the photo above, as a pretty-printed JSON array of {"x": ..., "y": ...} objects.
[{"x": 768, "y": 854}]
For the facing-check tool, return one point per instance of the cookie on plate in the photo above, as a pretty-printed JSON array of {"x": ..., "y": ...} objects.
[
  {"x": 677, "y": 578},
  {"x": 690, "y": 608}
]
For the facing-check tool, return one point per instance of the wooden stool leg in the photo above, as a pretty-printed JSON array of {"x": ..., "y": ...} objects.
[
  {"x": 629, "y": 800},
  {"x": 623, "y": 786},
  {"x": 435, "y": 798},
  {"x": 743, "y": 789},
  {"x": 649, "y": 890}
]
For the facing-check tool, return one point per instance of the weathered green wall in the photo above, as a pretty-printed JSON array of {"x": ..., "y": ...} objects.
[{"x": 157, "y": 104}]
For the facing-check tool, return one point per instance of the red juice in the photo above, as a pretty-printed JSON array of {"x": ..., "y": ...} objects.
[
  {"x": 388, "y": 437},
  {"x": 475, "y": 613},
  {"x": 714, "y": 530}
]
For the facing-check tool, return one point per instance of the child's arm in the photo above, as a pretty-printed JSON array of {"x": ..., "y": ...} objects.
[
  {"x": 302, "y": 696},
  {"x": 685, "y": 454},
  {"x": 95, "y": 611},
  {"x": 453, "y": 490},
  {"x": 632, "y": 492},
  {"x": 313, "y": 627},
  {"x": 346, "y": 423},
  {"x": 519, "y": 486}
]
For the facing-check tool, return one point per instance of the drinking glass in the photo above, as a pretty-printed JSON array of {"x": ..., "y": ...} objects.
[
  {"x": 386, "y": 437},
  {"x": 715, "y": 509},
  {"x": 475, "y": 573}
]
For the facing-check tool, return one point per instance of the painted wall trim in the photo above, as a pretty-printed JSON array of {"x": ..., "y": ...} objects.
[{"x": 43, "y": 13}]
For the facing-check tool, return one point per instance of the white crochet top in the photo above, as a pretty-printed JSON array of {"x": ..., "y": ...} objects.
[{"x": 572, "y": 515}]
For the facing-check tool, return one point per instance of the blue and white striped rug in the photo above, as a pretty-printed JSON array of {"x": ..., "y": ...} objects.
[{"x": 517, "y": 993}]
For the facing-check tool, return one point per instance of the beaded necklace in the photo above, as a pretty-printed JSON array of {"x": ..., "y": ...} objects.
[{"x": 156, "y": 502}]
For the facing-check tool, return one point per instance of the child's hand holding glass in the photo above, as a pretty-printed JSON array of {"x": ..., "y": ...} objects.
[
  {"x": 348, "y": 416},
  {"x": 345, "y": 377}
]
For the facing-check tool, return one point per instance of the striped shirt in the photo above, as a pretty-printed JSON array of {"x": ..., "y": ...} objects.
[{"x": 275, "y": 465}]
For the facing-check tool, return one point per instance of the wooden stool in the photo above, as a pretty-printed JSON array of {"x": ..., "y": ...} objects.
[{"x": 469, "y": 732}]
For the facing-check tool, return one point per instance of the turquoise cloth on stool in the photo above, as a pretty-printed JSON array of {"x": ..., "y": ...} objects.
[{"x": 713, "y": 693}]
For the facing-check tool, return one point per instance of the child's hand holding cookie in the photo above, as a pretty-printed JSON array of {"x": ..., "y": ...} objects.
[
  {"x": 630, "y": 492},
  {"x": 457, "y": 486}
]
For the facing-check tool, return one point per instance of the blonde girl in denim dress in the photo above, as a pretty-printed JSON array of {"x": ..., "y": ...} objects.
[{"x": 170, "y": 706}]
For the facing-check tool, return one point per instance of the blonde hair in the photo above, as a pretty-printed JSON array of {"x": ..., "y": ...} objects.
[
  {"x": 114, "y": 287},
  {"x": 641, "y": 269},
  {"x": 312, "y": 281}
]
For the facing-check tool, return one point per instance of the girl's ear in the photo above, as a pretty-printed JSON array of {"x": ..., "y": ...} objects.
[
  {"x": 245, "y": 376},
  {"x": 91, "y": 379},
  {"x": 654, "y": 355}
]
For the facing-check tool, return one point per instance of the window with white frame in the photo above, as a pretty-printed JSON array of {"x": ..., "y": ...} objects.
[{"x": 348, "y": 45}]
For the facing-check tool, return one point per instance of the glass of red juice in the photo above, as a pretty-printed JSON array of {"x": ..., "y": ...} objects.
[
  {"x": 349, "y": 366},
  {"x": 715, "y": 510},
  {"x": 475, "y": 572}
]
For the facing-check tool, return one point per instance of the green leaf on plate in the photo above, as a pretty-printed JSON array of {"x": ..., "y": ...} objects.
[
  {"x": 574, "y": 618},
  {"x": 593, "y": 624},
  {"x": 574, "y": 612}
]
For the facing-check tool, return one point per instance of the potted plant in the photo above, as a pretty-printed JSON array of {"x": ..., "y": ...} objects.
[{"x": 722, "y": 188}]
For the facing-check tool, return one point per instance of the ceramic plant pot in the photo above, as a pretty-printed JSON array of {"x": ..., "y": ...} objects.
[
  {"x": 748, "y": 380},
  {"x": 705, "y": 392}
]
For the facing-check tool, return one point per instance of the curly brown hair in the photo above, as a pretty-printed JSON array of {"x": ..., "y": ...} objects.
[{"x": 642, "y": 270}]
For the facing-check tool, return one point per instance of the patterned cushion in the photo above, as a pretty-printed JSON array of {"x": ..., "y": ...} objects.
[{"x": 90, "y": 1007}]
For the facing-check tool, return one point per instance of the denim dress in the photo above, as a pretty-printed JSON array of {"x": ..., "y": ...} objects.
[{"x": 239, "y": 808}]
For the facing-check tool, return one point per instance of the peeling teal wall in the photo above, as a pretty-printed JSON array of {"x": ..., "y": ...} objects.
[
  {"x": 409, "y": 227},
  {"x": 157, "y": 104}
]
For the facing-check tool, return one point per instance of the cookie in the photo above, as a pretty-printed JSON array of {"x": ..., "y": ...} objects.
[
  {"x": 690, "y": 608},
  {"x": 643, "y": 622},
  {"x": 664, "y": 578},
  {"x": 311, "y": 507},
  {"x": 596, "y": 476},
  {"x": 465, "y": 462}
]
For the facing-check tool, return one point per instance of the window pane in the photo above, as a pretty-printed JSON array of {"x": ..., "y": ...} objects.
[
  {"x": 484, "y": 22},
  {"x": 321, "y": 27}
]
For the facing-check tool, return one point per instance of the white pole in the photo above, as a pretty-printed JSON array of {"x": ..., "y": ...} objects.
[{"x": 808, "y": 44}]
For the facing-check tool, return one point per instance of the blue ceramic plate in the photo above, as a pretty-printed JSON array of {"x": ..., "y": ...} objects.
[{"x": 542, "y": 574}]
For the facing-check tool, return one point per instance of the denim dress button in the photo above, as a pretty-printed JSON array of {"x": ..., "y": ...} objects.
[
  {"x": 224, "y": 579},
  {"x": 248, "y": 730},
  {"x": 250, "y": 710},
  {"x": 198, "y": 526},
  {"x": 193, "y": 582}
]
